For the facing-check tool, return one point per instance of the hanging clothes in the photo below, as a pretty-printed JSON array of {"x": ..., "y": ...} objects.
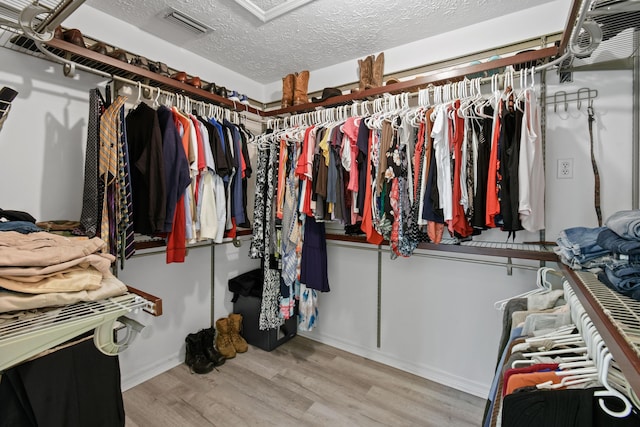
[
  {"x": 531, "y": 167},
  {"x": 508, "y": 168}
]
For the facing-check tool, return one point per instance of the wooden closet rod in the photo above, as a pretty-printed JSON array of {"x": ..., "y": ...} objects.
[{"x": 433, "y": 78}]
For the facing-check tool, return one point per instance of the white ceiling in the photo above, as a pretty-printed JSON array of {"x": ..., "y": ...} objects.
[{"x": 317, "y": 34}]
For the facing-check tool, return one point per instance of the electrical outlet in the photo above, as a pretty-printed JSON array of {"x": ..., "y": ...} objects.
[{"x": 565, "y": 168}]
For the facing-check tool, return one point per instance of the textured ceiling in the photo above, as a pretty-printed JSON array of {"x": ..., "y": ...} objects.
[{"x": 313, "y": 36}]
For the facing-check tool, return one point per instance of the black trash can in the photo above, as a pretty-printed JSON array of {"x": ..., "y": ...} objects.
[
  {"x": 247, "y": 298},
  {"x": 249, "y": 308}
]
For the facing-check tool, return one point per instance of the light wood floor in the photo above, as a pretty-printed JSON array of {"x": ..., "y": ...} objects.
[{"x": 301, "y": 383}]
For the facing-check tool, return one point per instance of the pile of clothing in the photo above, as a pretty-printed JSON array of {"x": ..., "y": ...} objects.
[
  {"x": 40, "y": 269},
  {"x": 622, "y": 238},
  {"x": 612, "y": 251},
  {"x": 578, "y": 248}
]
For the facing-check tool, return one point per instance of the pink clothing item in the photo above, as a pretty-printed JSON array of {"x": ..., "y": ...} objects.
[
  {"x": 301, "y": 166},
  {"x": 354, "y": 176},
  {"x": 351, "y": 127}
]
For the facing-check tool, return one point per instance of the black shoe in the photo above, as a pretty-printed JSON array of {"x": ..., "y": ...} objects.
[
  {"x": 208, "y": 338},
  {"x": 195, "y": 358}
]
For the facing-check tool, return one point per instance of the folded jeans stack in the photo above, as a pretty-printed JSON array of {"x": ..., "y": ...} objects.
[
  {"x": 623, "y": 277},
  {"x": 622, "y": 237},
  {"x": 578, "y": 248}
]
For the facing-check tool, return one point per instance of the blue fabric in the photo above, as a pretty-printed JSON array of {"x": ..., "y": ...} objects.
[
  {"x": 218, "y": 127},
  {"x": 629, "y": 288},
  {"x": 236, "y": 184},
  {"x": 23, "y": 227},
  {"x": 623, "y": 277},
  {"x": 578, "y": 247},
  {"x": 176, "y": 165},
  {"x": 625, "y": 224},
  {"x": 610, "y": 241},
  {"x": 313, "y": 266},
  {"x": 582, "y": 241},
  {"x": 515, "y": 333}
]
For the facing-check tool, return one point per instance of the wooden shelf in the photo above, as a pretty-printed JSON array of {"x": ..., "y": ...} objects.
[
  {"x": 434, "y": 78},
  {"x": 158, "y": 243},
  {"x": 612, "y": 329},
  {"x": 109, "y": 65}
]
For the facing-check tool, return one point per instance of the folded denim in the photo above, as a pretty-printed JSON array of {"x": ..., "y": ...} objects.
[
  {"x": 583, "y": 252},
  {"x": 628, "y": 288},
  {"x": 609, "y": 240},
  {"x": 598, "y": 262},
  {"x": 625, "y": 224},
  {"x": 581, "y": 240},
  {"x": 621, "y": 268},
  {"x": 23, "y": 227}
]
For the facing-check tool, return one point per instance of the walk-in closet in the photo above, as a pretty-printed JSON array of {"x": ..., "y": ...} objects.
[{"x": 320, "y": 213}]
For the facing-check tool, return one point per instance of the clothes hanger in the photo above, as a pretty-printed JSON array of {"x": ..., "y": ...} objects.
[
  {"x": 542, "y": 286},
  {"x": 139, "y": 93},
  {"x": 156, "y": 100},
  {"x": 610, "y": 391}
]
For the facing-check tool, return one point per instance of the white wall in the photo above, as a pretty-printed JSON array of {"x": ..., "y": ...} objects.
[
  {"x": 541, "y": 20},
  {"x": 42, "y": 142},
  {"x": 570, "y": 202}
]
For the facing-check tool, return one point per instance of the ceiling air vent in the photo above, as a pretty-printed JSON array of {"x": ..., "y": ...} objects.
[{"x": 187, "y": 22}]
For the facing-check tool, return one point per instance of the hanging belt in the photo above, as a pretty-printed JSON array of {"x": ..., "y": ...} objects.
[{"x": 596, "y": 175}]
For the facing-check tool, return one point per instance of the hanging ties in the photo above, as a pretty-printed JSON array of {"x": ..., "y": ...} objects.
[{"x": 596, "y": 175}]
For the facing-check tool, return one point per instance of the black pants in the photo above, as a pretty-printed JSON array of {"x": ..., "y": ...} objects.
[{"x": 75, "y": 386}]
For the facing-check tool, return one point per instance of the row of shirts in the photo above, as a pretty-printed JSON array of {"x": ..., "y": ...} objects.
[
  {"x": 408, "y": 183},
  {"x": 162, "y": 172},
  {"x": 190, "y": 176}
]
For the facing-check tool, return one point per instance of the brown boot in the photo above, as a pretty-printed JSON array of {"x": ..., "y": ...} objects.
[
  {"x": 235, "y": 323},
  {"x": 223, "y": 339},
  {"x": 366, "y": 69},
  {"x": 378, "y": 71},
  {"x": 287, "y": 90},
  {"x": 300, "y": 88}
]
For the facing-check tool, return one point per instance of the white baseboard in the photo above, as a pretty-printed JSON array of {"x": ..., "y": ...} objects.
[
  {"x": 141, "y": 375},
  {"x": 433, "y": 374}
]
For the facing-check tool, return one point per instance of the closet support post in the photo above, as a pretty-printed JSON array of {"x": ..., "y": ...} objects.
[
  {"x": 213, "y": 283},
  {"x": 379, "y": 295},
  {"x": 635, "y": 146},
  {"x": 543, "y": 137}
]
